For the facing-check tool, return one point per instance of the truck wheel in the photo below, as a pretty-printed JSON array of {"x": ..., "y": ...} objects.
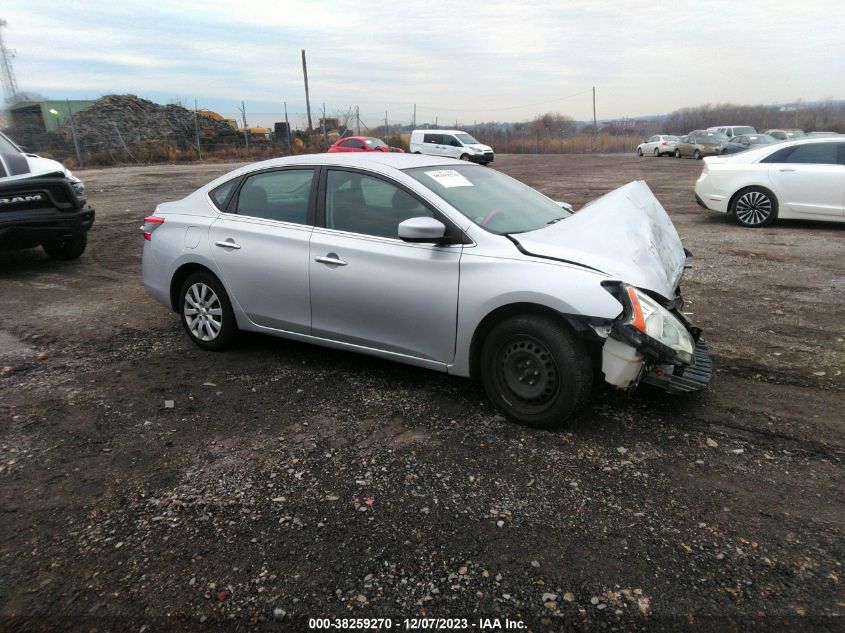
[
  {"x": 535, "y": 371},
  {"x": 207, "y": 312},
  {"x": 68, "y": 248}
]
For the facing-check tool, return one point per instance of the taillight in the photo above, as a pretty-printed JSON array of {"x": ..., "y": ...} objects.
[
  {"x": 664, "y": 143},
  {"x": 151, "y": 223}
]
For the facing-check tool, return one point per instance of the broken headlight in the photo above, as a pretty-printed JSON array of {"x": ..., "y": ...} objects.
[{"x": 646, "y": 322}]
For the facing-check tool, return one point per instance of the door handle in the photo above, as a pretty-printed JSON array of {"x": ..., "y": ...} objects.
[
  {"x": 786, "y": 169},
  {"x": 228, "y": 244},
  {"x": 332, "y": 259}
]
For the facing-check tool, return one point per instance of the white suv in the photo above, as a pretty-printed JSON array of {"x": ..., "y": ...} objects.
[{"x": 451, "y": 144}]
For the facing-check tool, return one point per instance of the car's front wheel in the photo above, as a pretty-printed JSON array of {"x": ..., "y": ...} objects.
[
  {"x": 640, "y": 152},
  {"x": 68, "y": 248},
  {"x": 696, "y": 155},
  {"x": 754, "y": 207},
  {"x": 207, "y": 312},
  {"x": 535, "y": 370}
]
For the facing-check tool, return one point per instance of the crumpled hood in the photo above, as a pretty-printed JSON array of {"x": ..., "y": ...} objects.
[
  {"x": 625, "y": 233},
  {"x": 14, "y": 166}
]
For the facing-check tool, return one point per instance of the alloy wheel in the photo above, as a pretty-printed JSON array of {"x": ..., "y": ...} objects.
[
  {"x": 753, "y": 208},
  {"x": 203, "y": 312}
]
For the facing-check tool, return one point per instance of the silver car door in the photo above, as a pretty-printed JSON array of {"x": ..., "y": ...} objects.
[
  {"x": 370, "y": 288},
  {"x": 261, "y": 247}
]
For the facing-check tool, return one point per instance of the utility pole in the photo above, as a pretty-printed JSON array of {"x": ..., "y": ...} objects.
[
  {"x": 435, "y": 122},
  {"x": 307, "y": 96},
  {"x": 10, "y": 85},
  {"x": 358, "y": 119},
  {"x": 385, "y": 126},
  {"x": 246, "y": 130},
  {"x": 506, "y": 138},
  {"x": 415, "y": 116},
  {"x": 287, "y": 127},
  {"x": 475, "y": 129},
  {"x": 73, "y": 134},
  {"x": 595, "y": 124},
  {"x": 325, "y": 133},
  {"x": 196, "y": 129}
]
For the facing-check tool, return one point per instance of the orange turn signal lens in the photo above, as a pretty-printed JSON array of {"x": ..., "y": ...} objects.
[{"x": 637, "y": 318}]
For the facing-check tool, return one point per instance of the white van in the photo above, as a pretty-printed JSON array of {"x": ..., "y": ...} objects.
[
  {"x": 733, "y": 130},
  {"x": 452, "y": 144}
]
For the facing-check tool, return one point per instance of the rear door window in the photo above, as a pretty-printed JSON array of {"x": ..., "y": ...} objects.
[
  {"x": 277, "y": 195},
  {"x": 812, "y": 154},
  {"x": 220, "y": 195}
]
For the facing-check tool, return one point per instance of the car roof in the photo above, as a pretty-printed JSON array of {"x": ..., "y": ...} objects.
[
  {"x": 442, "y": 131},
  {"x": 395, "y": 160}
]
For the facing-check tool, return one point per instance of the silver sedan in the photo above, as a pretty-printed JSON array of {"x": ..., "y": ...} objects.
[{"x": 437, "y": 263}]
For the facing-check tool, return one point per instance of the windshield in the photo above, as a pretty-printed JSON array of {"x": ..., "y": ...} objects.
[
  {"x": 495, "y": 202},
  {"x": 374, "y": 142},
  {"x": 466, "y": 139},
  {"x": 7, "y": 146},
  {"x": 744, "y": 129}
]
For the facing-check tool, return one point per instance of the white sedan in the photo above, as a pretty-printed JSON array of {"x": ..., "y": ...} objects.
[
  {"x": 658, "y": 145},
  {"x": 797, "y": 179}
]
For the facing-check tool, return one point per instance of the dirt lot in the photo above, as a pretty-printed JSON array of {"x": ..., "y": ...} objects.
[{"x": 290, "y": 481}]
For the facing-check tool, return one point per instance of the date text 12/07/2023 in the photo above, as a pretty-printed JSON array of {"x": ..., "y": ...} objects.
[{"x": 416, "y": 624}]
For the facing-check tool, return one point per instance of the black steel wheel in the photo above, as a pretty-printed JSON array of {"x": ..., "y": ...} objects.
[
  {"x": 754, "y": 207},
  {"x": 535, "y": 370}
]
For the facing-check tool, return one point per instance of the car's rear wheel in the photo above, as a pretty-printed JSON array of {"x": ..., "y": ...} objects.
[
  {"x": 656, "y": 153},
  {"x": 640, "y": 152},
  {"x": 696, "y": 155},
  {"x": 207, "y": 312},
  {"x": 754, "y": 207},
  {"x": 677, "y": 153},
  {"x": 67, "y": 248},
  {"x": 535, "y": 370}
]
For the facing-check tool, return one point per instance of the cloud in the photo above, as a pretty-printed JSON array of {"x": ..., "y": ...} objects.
[{"x": 481, "y": 60}]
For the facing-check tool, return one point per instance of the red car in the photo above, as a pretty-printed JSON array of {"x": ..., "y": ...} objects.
[{"x": 362, "y": 144}]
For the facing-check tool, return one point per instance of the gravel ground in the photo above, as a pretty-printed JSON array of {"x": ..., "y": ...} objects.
[{"x": 289, "y": 482}]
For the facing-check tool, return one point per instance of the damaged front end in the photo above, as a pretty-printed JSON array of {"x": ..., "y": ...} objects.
[{"x": 653, "y": 342}]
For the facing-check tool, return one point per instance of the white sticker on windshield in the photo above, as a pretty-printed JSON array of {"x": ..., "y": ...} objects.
[{"x": 448, "y": 178}]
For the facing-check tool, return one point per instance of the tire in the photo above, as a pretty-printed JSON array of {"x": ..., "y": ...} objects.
[
  {"x": 754, "y": 207},
  {"x": 215, "y": 308},
  {"x": 465, "y": 157},
  {"x": 696, "y": 155},
  {"x": 67, "y": 249},
  {"x": 561, "y": 366},
  {"x": 640, "y": 152},
  {"x": 656, "y": 153},
  {"x": 677, "y": 153}
]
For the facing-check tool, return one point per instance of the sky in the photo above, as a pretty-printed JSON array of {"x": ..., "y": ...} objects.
[{"x": 457, "y": 61}]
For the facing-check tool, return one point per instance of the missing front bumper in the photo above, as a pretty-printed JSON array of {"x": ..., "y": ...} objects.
[{"x": 676, "y": 379}]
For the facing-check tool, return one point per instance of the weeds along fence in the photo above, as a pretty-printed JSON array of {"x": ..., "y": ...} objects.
[{"x": 126, "y": 130}]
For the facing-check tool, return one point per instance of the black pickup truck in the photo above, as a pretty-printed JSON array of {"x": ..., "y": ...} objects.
[{"x": 41, "y": 203}]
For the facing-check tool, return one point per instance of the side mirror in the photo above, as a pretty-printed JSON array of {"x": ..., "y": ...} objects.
[{"x": 421, "y": 230}]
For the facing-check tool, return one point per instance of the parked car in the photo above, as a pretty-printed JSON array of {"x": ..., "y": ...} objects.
[
  {"x": 450, "y": 144},
  {"x": 792, "y": 179},
  {"x": 785, "y": 135},
  {"x": 699, "y": 144},
  {"x": 658, "y": 145},
  {"x": 41, "y": 204},
  {"x": 744, "y": 142},
  {"x": 363, "y": 144},
  {"x": 365, "y": 253},
  {"x": 732, "y": 130}
]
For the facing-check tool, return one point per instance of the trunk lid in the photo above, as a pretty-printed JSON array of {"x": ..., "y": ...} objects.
[{"x": 625, "y": 233}]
